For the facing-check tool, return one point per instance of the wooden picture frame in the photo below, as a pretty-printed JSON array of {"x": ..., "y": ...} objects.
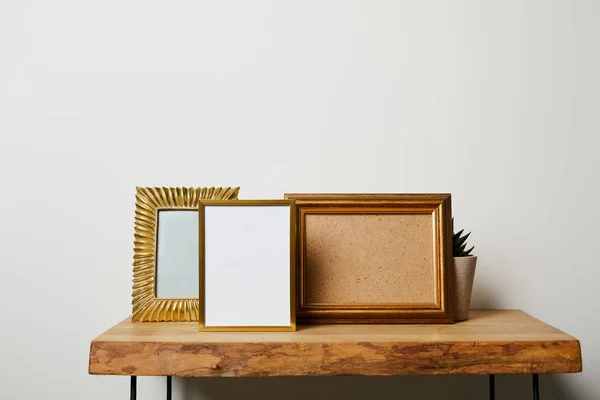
[
  {"x": 247, "y": 265},
  {"x": 373, "y": 258},
  {"x": 150, "y": 201}
]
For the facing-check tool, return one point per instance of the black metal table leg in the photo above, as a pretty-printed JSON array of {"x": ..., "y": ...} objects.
[
  {"x": 536, "y": 387},
  {"x": 169, "y": 387},
  {"x": 133, "y": 388},
  {"x": 492, "y": 387}
]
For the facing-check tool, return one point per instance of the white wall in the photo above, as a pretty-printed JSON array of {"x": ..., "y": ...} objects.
[{"x": 494, "y": 101}]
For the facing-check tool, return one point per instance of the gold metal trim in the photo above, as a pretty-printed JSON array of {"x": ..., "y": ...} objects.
[
  {"x": 149, "y": 201},
  {"x": 202, "y": 282}
]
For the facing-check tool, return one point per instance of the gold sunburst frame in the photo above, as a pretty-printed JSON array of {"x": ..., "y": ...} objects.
[{"x": 149, "y": 201}]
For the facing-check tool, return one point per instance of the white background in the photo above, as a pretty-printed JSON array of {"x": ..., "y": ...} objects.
[
  {"x": 247, "y": 266},
  {"x": 494, "y": 101}
]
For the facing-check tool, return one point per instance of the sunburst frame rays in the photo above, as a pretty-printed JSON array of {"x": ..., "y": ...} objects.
[{"x": 149, "y": 201}]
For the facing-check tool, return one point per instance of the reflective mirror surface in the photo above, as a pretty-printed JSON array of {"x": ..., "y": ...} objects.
[{"x": 177, "y": 254}]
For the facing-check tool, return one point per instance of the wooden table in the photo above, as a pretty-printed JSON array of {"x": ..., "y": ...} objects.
[{"x": 490, "y": 342}]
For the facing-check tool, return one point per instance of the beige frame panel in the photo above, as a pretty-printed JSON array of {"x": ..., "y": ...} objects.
[
  {"x": 293, "y": 241},
  {"x": 437, "y": 205},
  {"x": 149, "y": 201}
]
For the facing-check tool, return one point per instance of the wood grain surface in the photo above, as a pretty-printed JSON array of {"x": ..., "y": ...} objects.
[{"x": 491, "y": 342}]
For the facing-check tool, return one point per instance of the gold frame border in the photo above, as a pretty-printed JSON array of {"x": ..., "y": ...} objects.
[
  {"x": 149, "y": 201},
  {"x": 255, "y": 203},
  {"x": 437, "y": 205}
]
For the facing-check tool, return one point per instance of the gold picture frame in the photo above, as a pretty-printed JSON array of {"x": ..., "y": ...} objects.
[
  {"x": 146, "y": 307},
  {"x": 229, "y": 235},
  {"x": 374, "y": 258}
]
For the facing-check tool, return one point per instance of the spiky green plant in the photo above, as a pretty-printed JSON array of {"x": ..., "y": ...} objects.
[{"x": 459, "y": 243}]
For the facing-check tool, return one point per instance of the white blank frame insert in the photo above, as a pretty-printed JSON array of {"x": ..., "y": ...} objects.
[{"x": 247, "y": 265}]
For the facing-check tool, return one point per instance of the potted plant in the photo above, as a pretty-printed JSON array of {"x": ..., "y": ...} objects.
[{"x": 463, "y": 274}]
